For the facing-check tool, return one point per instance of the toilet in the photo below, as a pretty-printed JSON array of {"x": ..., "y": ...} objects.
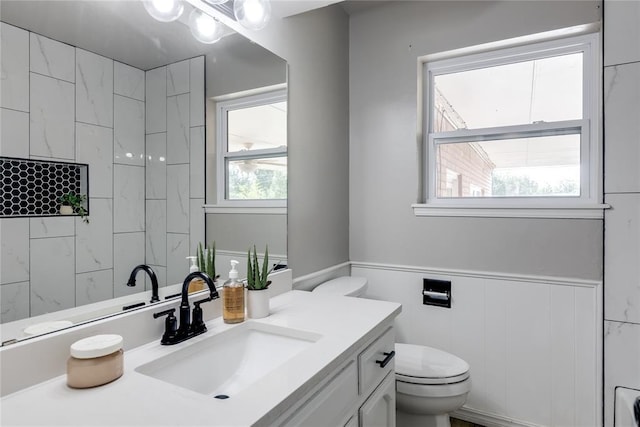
[{"x": 430, "y": 383}]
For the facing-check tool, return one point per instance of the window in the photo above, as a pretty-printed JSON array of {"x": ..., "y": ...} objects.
[
  {"x": 515, "y": 128},
  {"x": 252, "y": 151}
]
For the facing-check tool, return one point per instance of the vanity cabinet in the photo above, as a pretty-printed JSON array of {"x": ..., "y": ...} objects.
[{"x": 361, "y": 392}]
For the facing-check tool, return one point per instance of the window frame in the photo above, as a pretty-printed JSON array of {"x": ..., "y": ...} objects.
[
  {"x": 223, "y": 156},
  {"x": 589, "y": 203}
]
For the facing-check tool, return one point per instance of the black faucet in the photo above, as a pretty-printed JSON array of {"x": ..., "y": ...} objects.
[
  {"x": 173, "y": 333},
  {"x": 152, "y": 275}
]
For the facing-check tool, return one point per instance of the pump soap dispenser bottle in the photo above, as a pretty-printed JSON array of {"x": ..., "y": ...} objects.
[
  {"x": 196, "y": 284},
  {"x": 233, "y": 297}
]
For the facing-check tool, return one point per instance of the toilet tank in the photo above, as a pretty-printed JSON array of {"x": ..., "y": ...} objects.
[{"x": 351, "y": 286}]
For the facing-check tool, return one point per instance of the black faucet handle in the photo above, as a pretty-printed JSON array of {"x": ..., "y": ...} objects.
[{"x": 170, "y": 326}]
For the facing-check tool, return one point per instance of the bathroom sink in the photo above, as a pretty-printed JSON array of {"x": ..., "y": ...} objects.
[{"x": 224, "y": 364}]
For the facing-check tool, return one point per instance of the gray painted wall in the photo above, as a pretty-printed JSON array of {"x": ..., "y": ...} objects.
[
  {"x": 385, "y": 42},
  {"x": 316, "y": 47},
  {"x": 235, "y": 232}
]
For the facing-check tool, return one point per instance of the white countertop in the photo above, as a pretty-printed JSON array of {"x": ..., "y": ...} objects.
[{"x": 344, "y": 323}]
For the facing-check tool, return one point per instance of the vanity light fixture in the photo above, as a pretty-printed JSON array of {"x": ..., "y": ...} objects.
[
  {"x": 205, "y": 28},
  {"x": 252, "y": 14},
  {"x": 164, "y": 10}
]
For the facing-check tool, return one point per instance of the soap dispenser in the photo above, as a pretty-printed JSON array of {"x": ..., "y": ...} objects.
[
  {"x": 233, "y": 297},
  {"x": 196, "y": 284}
]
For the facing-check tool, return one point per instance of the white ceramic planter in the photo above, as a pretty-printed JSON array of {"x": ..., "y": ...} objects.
[
  {"x": 258, "y": 303},
  {"x": 66, "y": 210}
]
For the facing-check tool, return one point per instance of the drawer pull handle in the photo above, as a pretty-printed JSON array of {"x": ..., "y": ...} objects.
[{"x": 387, "y": 359}]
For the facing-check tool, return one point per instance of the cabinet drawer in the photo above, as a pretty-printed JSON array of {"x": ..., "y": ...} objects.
[{"x": 370, "y": 362}]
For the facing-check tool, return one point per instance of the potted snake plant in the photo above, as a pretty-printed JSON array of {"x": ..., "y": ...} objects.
[{"x": 258, "y": 284}]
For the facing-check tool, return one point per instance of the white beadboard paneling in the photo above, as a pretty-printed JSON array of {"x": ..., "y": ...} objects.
[
  {"x": 94, "y": 241},
  {"x": 52, "y": 275},
  {"x": 178, "y": 78},
  {"x": 52, "y": 118},
  {"x": 178, "y": 129},
  {"x": 156, "y": 100},
  {"x": 94, "y": 89},
  {"x": 622, "y": 33},
  {"x": 196, "y": 163},
  {"x": 196, "y": 91},
  {"x": 622, "y": 127},
  {"x": 532, "y": 343},
  {"x": 128, "y": 81},
  {"x": 14, "y": 133},
  {"x": 14, "y": 254},
  {"x": 128, "y": 131},
  {"x": 178, "y": 198},
  {"x": 94, "y": 286},
  {"x": 196, "y": 225},
  {"x": 156, "y": 167},
  {"x": 14, "y": 64},
  {"x": 622, "y": 366},
  {"x": 622, "y": 252},
  {"x": 94, "y": 146},
  {"x": 563, "y": 355},
  {"x": 128, "y": 198},
  {"x": 177, "y": 251},
  {"x": 51, "y": 226},
  {"x": 14, "y": 301},
  {"x": 128, "y": 252},
  {"x": 52, "y": 58},
  {"x": 156, "y": 232}
]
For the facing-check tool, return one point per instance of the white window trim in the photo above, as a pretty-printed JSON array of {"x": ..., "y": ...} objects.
[
  {"x": 589, "y": 205},
  {"x": 223, "y": 156}
]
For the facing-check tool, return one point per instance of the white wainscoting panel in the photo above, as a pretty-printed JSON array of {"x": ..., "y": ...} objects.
[{"x": 534, "y": 344}]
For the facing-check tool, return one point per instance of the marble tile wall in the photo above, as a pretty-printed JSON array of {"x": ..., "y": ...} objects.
[
  {"x": 63, "y": 103},
  {"x": 622, "y": 192},
  {"x": 174, "y": 166}
]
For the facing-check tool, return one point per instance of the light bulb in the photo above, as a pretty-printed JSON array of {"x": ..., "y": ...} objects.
[
  {"x": 252, "y": 14},
  {"x": 204, "y": 27},
  {"x": 164, "y": 10}
]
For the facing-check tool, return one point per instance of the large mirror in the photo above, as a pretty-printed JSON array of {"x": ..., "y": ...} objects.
[{"x": 144, "y": 105}]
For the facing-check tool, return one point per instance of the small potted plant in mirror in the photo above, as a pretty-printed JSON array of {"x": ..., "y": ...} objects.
[
  {"x": 206, "y": 259},
  {"x": 258, "y": 284},
  {"x": 71, "y": 203}
]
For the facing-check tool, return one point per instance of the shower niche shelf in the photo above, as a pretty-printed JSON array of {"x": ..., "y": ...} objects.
[{"x": 32, "y": 188}]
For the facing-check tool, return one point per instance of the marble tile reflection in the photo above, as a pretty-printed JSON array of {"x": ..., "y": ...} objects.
[
  {"x": 196, "y": 163},
  {"x": 14, "y": 252},
  {"x": 14, "y": 67},
  {"x": 156, "y": 232},
  {"x": 52, "y": 275},
  {"x": 94, "y": 244},
  {"x": 156, "y": 100},
  {"x": 14, "y": 133},
  {"x": 53, "y": 226},
  {"x": 94, "y": 146},
  {"x": 14, "y": 301},
  {"x": 128, "y": 81},
  {"x": 196, "y": 224},
  {"x": 196, "y": 91},
  {"x": 128, "y": 131},
  {"x": 178, "y": 78},
  {"x": 94, "y": 286},
  {"x": 128, "y": 249},
  {"x": 128, "y": 198},
  {"x": 94, "y": 88},
  {"x": 178, "y": 198},
  {"x": 156, "y": 170},
  {"x": 178, "y": 129},
  {"x": 52, "y": 58},
  {"x": 177, "y": 252},
  {"x": 52, "y": 118}
]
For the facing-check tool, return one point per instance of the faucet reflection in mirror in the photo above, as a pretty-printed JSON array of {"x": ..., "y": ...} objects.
[
  {"x": 152, "y": 276},
  {"x": 251, "y": 14}
]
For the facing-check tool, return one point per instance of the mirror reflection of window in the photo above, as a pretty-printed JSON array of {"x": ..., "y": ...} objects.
[{"x": 253, "y": 148}]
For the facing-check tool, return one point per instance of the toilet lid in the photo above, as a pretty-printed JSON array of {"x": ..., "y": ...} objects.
[
  {"x": 346, "y": 285},
  {"x": 426, "y": 365}
]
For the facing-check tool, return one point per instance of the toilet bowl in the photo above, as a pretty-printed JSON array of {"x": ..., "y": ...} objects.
[{"x": 430, "y": 383}]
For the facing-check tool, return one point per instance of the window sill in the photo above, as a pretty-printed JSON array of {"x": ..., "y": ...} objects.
[
  {"x": 591, "y": 211},
  {"x": 254, "y": 210}
]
